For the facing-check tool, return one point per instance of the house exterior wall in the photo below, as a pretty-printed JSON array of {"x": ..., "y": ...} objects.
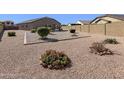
[
  {"x": 40, "y": 23},
  {"x": 102, "y": 22},
  {"x": 111, "y": 19},
  {"x": 105, "y": 18}
]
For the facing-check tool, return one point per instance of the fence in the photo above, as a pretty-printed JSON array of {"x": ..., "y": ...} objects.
[
  {"x": 112, "y": 29},
  {"x": 1, "y": 28},
  {"x": 1, "y": 31}
]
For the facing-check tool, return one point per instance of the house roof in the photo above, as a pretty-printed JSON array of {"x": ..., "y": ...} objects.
[
  {"x": 6, "y": 21},
  {"x": 36, "y": 19},
  {"x": 116, "y": 16},
  {"x": 85, "y": 21}
]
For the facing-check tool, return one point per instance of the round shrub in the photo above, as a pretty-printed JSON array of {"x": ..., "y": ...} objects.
[
  {"x": 10, "y": 34},
  {"x": 110, "y": 41},
  {"x": 54, "y": 60},
  {"x": 43, "y": 31},
  {"x": 72, "y": 30},
  {"x": 33, "y": 30}
]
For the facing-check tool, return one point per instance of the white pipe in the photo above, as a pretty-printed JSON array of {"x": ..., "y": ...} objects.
[{"x": 25, "y": 40}]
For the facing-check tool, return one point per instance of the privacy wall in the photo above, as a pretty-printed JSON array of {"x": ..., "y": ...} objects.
[
  {"x": 112, "y": 29},
  {"x": 115, "y": 29},
  {"x": 1, "y": 31},
  {"x": 1, "y": 28}
]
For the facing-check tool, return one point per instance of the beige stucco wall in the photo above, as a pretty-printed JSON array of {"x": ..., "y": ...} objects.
[
  {"x": 76, "y": 27},
  {"x": 65, "y": 27},
  {"x": 97, "y": 29},
  {"x": 85, "y": 28},
  {"x": 112, "y": 29},
  {"x": 115, "y": 29}
]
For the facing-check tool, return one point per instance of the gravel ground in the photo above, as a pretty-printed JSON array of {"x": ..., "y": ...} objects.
[
  {"x": 22, "y": 61},
  {"x": 53, "y": 37}
]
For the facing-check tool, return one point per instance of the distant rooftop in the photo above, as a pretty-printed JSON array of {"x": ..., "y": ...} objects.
[
  {"x": 117, "y": 16},
  {"x": 36, "y": 19},
  {"x": 85, "y": 21}
]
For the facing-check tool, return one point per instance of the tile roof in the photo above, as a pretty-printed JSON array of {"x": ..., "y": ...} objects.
[
  {"x": 117, "y": 16},
  {"x": 36, "y": 19}
]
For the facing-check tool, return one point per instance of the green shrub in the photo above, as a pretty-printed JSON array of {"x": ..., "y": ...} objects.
[
  {"x": 10, "y": 34},
  {"x": 110, "y": 41},
  {"x": 100, "y": 49},
  {"x": 43, "y": 31},
  {"x": 33, "y": 30},
  {"x": 54, "y": 60}
]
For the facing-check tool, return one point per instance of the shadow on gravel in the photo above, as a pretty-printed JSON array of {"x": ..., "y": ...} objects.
[
  {"x": 1, "y": 35},
  {"x": 55, "y": 40},
  {"x": 49, "y": 40},
  {"x": 74, "y": 38},
  {"x": 52, "y": 34}
]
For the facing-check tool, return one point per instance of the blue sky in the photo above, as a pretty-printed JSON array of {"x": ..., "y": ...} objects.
[{"x": 63, "y": 18}]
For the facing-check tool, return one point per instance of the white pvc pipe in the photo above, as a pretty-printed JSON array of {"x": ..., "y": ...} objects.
[{"x": 25, "y": 40}]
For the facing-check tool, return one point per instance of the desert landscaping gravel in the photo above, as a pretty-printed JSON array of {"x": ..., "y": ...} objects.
[
  {"x": 22, "y": 61},
  {"x": 53, "y": 37}
]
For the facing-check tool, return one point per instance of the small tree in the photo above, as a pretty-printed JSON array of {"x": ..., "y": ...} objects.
[{"x": 43, "y": 31}]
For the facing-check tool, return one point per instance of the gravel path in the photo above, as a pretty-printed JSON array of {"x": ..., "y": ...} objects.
[{"x": 22, "y": 61}]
